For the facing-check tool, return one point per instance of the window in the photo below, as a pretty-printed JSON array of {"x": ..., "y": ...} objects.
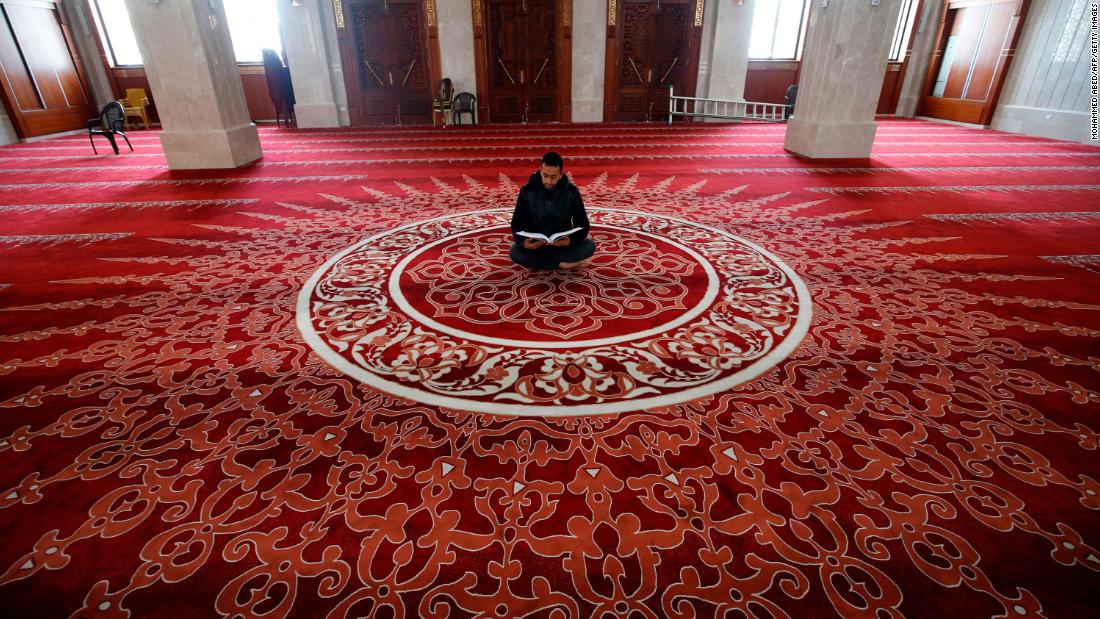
[
  {"x": 113, "y": 23},
  {"x": 778, "y": 27},
  {"x": 253, "y": 26},
  {"x": 904, "y": 28}
]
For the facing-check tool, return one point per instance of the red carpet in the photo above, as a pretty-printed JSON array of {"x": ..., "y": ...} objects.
[{"x": 316, "y": 386}]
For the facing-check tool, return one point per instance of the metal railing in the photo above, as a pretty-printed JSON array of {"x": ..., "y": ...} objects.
[{"x": 721, "y": 108}]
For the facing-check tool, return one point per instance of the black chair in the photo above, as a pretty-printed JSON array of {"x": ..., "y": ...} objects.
[
  {"x": 464, "y": 103},
  {"x": 792, "y": 93},
  {"x": 111, "y": 122}
]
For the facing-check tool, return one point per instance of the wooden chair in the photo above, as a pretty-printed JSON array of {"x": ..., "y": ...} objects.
[
  {"x": 134, "y": 105},
  {"x": 110, "y": 122},
  {"x": 442, "y": 104}
]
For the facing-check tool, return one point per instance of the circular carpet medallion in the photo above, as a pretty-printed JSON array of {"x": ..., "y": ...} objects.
[{"x": 667, "y": 311}]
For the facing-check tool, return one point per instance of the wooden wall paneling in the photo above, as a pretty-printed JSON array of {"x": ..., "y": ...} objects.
[
  {"x": 694, "y": 45},
  {"x": 481, "y": 64},
  {"x": 966, "y": 28},
  {"x": 435, "y": 62},
  {"x": 78, "y": 82},
  {"x": 988, "y": 54},
  {"x": 961, "y": 110},
  {"x": 891, "y": 84},
  {"x": 37, "y": 40},
  {"x": 18, "y": 89},
  {"x": 256, "y": 95},
  {"x": 767, "y": 80},
  {"x": 18, "y": 76},
  {"x": 565, "y": 61},
  {"x": 610, "y": 56},
  {"x": 44, "y": 90},
  {"x": 350, "y": 65},
  {"x": 1002, "y": 35}
]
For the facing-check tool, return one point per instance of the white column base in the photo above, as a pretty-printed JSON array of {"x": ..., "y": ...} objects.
[
  {"x": 316, "y": 115},
  {"x": 826, "y": 140},
  {"x": 202, "y": 150}
]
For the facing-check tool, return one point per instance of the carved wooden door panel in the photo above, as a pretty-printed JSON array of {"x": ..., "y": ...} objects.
[
  {"x": 540, "y": 87},
  {"x": 655, "y": 49},
  {"x": 389, "y": 78},
  {"x": 522, "y": 62},
  {"x": 653, "y": 53}
]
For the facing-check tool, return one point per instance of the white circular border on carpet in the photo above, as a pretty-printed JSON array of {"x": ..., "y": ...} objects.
[{"x": 345, "y": 315}]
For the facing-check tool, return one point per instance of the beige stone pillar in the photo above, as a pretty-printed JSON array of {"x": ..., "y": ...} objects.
[
  {"x": 84, "y": 36},
  {"x": 589, "y": 49},
  {"x": 307, "y": 56},
  {"x": 843, "y": 65},
  {"x": 193, "y": 74},
  {"x": 456, "y": 44},
  {"x": 925, "y": 39},
  {"x": 724, "y": 61}
]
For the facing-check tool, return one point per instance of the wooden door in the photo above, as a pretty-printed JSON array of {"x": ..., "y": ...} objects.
[
  {"x": 525, "y": 61},
  {"x": 388, "y": 71},
  {"x": 43, "y": 87},
  {"x": 654, "y": 46},
  {"x": 974, "y": 47}
]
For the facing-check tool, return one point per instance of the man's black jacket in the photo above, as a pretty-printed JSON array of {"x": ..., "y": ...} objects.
[{"x": 547, "y": 212}]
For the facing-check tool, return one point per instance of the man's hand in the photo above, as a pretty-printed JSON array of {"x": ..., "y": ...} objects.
[
  {"x": 562, "y": 242},
  {"x": 532, "y": 244}
]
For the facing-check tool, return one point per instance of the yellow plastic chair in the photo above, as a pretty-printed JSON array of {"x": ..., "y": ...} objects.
[{"x": 134, "y": 105}]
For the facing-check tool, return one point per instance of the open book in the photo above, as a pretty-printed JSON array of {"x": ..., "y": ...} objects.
[{"x": 548, "y": 239}]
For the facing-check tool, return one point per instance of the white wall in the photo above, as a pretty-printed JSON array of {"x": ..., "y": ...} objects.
[
  {"x": 456, "y": 44},
  {"x": 1047, "y": 89},
  {"x": 589, "y": 60}
]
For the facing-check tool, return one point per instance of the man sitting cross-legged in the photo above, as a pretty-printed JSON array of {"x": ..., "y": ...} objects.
[{"x": 547, "y": 204}]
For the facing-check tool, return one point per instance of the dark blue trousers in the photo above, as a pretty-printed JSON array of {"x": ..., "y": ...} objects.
[{"x": 548, "y": 256}]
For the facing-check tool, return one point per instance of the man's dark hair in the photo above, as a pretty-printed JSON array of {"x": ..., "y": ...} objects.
[{"x": 553, "y": 160}]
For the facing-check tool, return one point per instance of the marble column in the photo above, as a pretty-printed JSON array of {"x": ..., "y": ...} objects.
[
  {"x": 456, "y": 44},
  {"x": 589, "y": 49},
  {"x": 725, "y": 58},
  {"x": 307, "y": 56},
  {"x": 194, "y": 76},
  {"x": 917, "y": 69},
  {"x": 84, "y": 37},
  {"x": 843, "y": 65}
]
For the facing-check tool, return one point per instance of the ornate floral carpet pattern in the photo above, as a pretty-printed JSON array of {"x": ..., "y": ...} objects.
[{"x": 316, "y": 386}]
